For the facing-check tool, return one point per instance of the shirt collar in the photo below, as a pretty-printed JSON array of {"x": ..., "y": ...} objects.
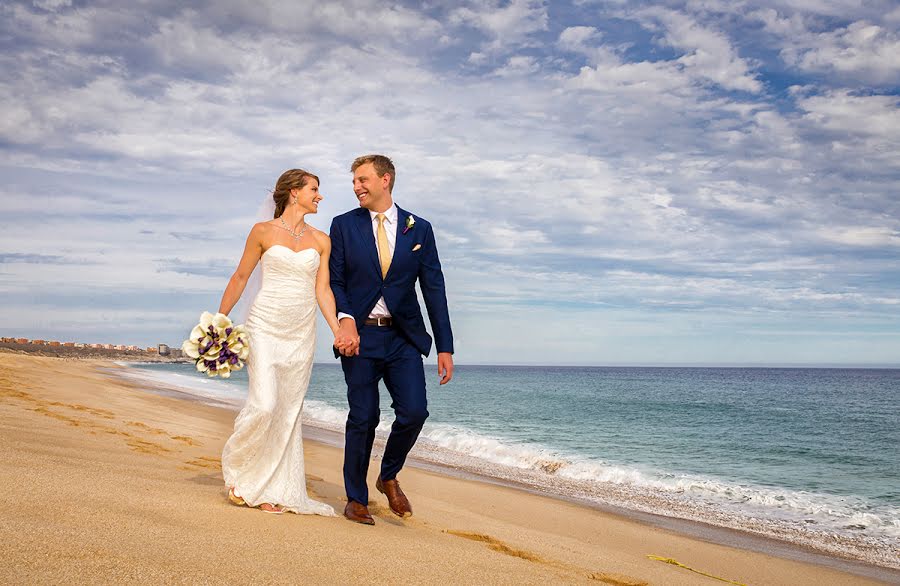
[{"x": 390, "y": 215}]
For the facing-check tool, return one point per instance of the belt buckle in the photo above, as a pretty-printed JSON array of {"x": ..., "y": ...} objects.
[{"x": 379, "y": 318}]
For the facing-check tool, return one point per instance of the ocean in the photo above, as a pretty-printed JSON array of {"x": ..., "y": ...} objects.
[{"x": 805, "y": 455}]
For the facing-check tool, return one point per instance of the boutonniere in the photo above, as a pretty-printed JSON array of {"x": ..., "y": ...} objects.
[{"x": 410, "y": 222}]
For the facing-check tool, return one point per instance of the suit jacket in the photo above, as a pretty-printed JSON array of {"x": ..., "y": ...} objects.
[{"x": 357, "y": 282}]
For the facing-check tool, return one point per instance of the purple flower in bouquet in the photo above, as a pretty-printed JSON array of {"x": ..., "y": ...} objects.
[{"x": 217, "y": 346}]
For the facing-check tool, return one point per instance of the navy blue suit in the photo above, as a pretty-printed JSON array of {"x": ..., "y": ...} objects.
[{"x": 392, "y": 354}]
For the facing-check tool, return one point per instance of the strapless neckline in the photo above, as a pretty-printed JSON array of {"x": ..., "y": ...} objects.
[{"x": 290, "y": 249}]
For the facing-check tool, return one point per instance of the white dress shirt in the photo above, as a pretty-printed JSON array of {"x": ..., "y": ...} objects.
[{"x": 390, "y": 226}]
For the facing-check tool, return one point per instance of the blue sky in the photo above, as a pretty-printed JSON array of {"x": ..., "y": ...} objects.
[{"x": 610, "y": 182}]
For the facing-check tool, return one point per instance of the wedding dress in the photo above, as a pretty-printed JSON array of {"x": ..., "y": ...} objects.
[{"x": 263, "y": 459}]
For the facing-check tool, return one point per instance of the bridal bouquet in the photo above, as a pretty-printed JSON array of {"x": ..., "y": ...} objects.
[{"x": 216, "y": 345}]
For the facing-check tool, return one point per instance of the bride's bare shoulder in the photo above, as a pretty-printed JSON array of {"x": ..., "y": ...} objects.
[
  {"x": 322, "y": 240},
  {"x": 260, "y": 232},
  {"x": 262, "y": 227},
  {"x": 320, "y": 237}
]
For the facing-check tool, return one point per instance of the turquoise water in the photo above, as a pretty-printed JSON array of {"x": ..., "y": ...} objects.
[{"x": 804, "y": 450}]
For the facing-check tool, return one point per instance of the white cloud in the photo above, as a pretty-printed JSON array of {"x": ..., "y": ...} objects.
[
  {"x": 507, "y": 24},
  {"x": 645, "y": 80},
  {"x": 861, "y": 51},
  {"x": 505, "y": 238},
  {"x": 708, "y": 53},
  {"x": 855, "y": 114},
  {"x": 864, "y": 236},
  {"x": 517, "y": 65},
  {"x": 575, "y": 38},
  {"x": 52, "y": 5}
]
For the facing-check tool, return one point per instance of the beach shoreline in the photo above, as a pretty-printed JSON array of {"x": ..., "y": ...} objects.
[
  {"x": 706, "y": 532},
  {"x": 648, "y": 506},
  {"x": 99, "y": 419}
]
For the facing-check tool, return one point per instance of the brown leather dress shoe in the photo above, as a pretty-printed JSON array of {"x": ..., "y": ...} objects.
[
  {"x": 358, "y": 513},
  {"x": 396, "y": 499}
]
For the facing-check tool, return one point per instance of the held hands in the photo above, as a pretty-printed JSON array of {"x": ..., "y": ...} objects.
[{"x": 346, "y": 340}]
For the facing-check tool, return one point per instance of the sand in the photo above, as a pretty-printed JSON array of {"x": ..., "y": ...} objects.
[{"x": 107, "y": 483}]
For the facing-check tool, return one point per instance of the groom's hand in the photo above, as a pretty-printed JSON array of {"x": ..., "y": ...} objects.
[
  {"x": 346, "y": 346},
  {"x": 348, "y": 337},
  {"x": 445, "y": 367}
]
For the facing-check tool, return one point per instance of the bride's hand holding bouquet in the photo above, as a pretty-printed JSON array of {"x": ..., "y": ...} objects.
[{"x": 217, "y": 346}]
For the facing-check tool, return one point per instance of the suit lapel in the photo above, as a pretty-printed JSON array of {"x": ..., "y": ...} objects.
[
  {"x": 364, "y": 225},
  {"x": 401, "y": 242}
]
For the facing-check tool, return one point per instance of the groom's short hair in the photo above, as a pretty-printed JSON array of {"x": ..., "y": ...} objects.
[{"x": 382, "y": 165}]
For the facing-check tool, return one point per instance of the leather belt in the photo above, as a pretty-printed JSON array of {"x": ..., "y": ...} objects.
[{"x": 383, "y": 322}]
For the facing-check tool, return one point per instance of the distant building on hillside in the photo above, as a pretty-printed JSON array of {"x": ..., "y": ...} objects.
[
  {"x": 151, "y": 350},
  {"x": 39, "y": 342},
  {"x": 133, "y": 348},
  {"x": 69, "y": 344},
  {"x": 54, "y": 343},
  {"x": 21, "y": 340},
  {"x": 164, "y": 350}
]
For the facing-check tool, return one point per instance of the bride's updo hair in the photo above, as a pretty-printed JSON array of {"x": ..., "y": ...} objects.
[{"x": 290, "y": 179}]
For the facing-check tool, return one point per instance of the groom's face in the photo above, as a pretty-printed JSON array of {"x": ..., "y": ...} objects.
[{"x": 370, "y": 189}]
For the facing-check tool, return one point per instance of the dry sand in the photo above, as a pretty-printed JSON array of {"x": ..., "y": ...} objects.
[{"x": 105, "y": 483}]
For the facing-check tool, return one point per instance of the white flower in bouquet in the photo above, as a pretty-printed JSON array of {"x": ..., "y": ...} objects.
[{"x": 217, "y": 346}]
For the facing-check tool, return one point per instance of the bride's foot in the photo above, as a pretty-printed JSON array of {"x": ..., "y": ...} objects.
[
  {"x": 235, "y": 499},
  {"x": 270, "y": 508}
]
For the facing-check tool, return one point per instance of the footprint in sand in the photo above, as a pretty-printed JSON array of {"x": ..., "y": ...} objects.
[
  {"x": 14, "y": 394},
  {"x": 616, "y": 580},
  {"x": 136, "y": 444},
  {"x": 93, "y": 411},
  {"x": 146, "y": 428},
  {"x": 58, "y": 416},
  {"x": 189, "y": 441},
  {"x": 145, "y": 447},
  {"x": 497, "y": 545},
  {"x": 206, "y": 462}
]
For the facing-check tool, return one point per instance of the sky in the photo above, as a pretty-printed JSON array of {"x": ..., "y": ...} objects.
[{"x": 618, "y": 182}]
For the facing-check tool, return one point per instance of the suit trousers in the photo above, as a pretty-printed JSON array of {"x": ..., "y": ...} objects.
[{"x": 384, "y": 354}]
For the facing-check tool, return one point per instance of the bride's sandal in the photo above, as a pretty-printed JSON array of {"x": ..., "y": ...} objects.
[
  {"x": 235, "y": 499},
  {"x": 270, "y": 508}
]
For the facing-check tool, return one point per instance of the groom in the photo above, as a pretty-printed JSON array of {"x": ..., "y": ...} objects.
[{"x": 378, "y": 252}]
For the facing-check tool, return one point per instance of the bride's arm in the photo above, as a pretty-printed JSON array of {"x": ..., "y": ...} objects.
[
  {"x": 324, "y": 294},
  {"x": 252, "y": 252}
]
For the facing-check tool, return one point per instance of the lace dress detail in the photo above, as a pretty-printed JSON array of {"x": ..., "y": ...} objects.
[{"x": 263, "y": 459}]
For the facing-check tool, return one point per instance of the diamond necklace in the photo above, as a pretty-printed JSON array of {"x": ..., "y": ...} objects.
[{"x": 295, "y": 235}]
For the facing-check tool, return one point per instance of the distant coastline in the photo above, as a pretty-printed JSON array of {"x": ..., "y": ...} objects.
[{"x": 88, "y": 353}]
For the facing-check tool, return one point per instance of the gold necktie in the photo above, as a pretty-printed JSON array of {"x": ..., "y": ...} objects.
[{"x": 384, "y": 249}]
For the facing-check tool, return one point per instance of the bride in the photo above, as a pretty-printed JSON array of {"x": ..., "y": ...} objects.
[{"x": 262, "y": 462}]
